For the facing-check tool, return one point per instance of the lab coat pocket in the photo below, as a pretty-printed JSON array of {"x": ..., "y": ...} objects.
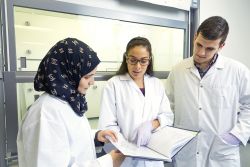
[
  {"x": 223, "y": 96},
  {"x": 221, "y": 151}
]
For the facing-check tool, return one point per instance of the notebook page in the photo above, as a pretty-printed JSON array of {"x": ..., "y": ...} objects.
[
  {"x": 130, "y": 149},
  {"x": 168, "y": 138}
]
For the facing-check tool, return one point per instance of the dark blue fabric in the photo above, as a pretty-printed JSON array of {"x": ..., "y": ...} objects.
[{"x": 61, "y": 70}]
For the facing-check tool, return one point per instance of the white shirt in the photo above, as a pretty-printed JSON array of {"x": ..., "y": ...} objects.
[
  {"x": 52, "y": 135},
  {"x": 210, "y": 105},
  {"x": 124, "y": 108}
]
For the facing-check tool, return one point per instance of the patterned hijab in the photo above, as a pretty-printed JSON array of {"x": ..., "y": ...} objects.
[{"x": 61, "y": 70}]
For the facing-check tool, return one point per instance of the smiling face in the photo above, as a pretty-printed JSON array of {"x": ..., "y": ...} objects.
[
  {"x": 204, "y": 50},
  {"x": 137, "y": 71},
  {"x": 86, "y": 81}
]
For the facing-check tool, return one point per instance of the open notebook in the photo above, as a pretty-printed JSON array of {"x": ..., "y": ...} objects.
[{"x": 164, "y": 144}]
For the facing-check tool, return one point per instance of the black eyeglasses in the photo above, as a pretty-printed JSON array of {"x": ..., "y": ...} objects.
[{"x": 134, "y": 61}]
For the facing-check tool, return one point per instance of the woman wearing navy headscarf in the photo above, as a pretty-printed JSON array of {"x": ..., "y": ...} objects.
[{"x": 54, "y": 131}]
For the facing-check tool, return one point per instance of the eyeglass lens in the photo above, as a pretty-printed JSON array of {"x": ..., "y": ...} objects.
[{"x": 142, "y": 62}]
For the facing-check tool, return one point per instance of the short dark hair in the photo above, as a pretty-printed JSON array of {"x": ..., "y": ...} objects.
[
  {"x": 213, "y": 28},
  {"x": 137, "y": 41}
]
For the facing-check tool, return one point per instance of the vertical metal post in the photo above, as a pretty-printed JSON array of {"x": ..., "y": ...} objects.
[
  {"x": 186, "y": 43},
  {"x": 2, "y": 124},
  {"x": 2, "y": 127},
  {"x": 10, "y": 97},
  {"x": 3, "y": 162},
  {"x": 194, "y": 24}
]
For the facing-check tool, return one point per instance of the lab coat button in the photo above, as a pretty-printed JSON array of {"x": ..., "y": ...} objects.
[
  {"x": 197, "y": 152},
  {"x": 199, "y": 108},
  {"x": 201, "y": 86}
]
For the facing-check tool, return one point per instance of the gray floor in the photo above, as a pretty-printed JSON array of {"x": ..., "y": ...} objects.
[{"x": 14, "y": 163}]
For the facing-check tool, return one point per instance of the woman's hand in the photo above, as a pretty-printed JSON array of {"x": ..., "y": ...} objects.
[
  {"x": 101, "y": 135},
  {"x": 143, "y": 133},
  {"x": 117, "y": 158}
]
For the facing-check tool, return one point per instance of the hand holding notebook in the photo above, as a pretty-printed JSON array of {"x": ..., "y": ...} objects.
[{"x": 164, "y": 144}]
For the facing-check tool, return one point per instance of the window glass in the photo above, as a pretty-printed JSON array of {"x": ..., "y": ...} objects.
[
  {"x": 26, "y": 95},
  {"x": 37, "y": 31},
  {"x": 167, "y": 43}
]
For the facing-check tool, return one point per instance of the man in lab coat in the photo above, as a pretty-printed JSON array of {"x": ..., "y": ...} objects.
[{"x": 204, "y": 92}]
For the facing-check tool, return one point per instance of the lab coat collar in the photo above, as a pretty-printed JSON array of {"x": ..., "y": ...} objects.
[
  {"x": 218, "y": 64},
  {"x": 193, "y": 69},
  {"x": 131, "y": 82},
  {"x": 190, "y": 63},
  {"x": 125, "y": 77}
]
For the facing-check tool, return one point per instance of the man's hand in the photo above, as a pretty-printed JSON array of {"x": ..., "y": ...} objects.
[
  {"x": 230, "y": 139},
  {"x": 101, "y": 135},
  {"x": 117, "y": 157}
]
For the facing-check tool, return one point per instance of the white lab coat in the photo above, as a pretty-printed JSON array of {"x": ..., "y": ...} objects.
[
  {"x": 124, "y": 108},
  {"x": 210, "y": 105},
  {"x": 52, "y": 135}
]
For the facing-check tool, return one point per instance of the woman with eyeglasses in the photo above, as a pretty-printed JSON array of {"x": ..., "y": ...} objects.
[{"x": 134, "y": 102}]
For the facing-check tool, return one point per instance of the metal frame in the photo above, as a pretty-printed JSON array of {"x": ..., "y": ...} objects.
[
  {"x": 28, "y": 76},
  {"x": 64, "y": 7},
  {"x": 2, "y": 122},
  {"x": 2, "y": 112},
  {"x": 11, "y": 76},
  {"x": 194, "y": 24},
  {"x": 10, "y": 93}
]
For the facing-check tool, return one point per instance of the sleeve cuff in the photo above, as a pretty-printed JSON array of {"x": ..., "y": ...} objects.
[
  {"x": 163, "y": 122},
  {"x": 105, "y": 161},
  {"x": 239, "y": 138},
  {"x": 97, "y": 142}
]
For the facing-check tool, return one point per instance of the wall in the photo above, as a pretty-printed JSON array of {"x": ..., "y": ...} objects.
[
  {"x": 133, "y": 6},
  {"x": 237, "y": 14}
]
